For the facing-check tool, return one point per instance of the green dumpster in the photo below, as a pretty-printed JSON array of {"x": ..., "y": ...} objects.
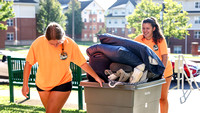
[{"x": 141, "y": 98}]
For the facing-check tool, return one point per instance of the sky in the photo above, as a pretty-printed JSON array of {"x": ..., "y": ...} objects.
[{"x": 104, "y": 3}]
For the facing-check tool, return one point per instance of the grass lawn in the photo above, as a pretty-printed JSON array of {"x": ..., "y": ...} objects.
[{"x": 6, "y": 107}]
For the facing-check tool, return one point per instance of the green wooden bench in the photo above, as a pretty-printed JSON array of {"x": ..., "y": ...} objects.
[{"x": 15, "y": 70}]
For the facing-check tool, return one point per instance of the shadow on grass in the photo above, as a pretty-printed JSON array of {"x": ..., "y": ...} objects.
[{"x": 17, "y": 108}]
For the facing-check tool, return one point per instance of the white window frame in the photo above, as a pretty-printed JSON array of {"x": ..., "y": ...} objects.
[
  {"x": 177, "y": 49},
  {"x": 90, "y": 35},
  {"x": 85, "y": 36},
  {"x": 116, "y": 22},
  {"x": 115, "y": 30},
  {"x": 196, "y": 34},
  {"x": 123, "y": 21},
  {"x": 94, "y": 19},
  {"x": 197, "y": 5},
  {"x": 9, "y": 22},
  {"x": 109, "y": 21},
  {"x": 10, "y": 36},
  {"x": 197, "y": 20},
  {"x": 129, "y": 31},
  {"x": 85, "y": 26},
  {"x": 123, "y": 30},
  {"x": 100, "y": 26}
]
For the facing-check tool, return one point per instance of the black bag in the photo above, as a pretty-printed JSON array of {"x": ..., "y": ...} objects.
[{"x": 99, "y": 63}]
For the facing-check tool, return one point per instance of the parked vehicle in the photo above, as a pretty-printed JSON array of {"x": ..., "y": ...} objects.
[{"x": 194, "y": 67}]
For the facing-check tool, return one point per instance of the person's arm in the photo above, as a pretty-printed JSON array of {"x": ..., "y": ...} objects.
[
  {"x": 164, "y": 59},
  {"x": 27, "y": 70},
  {"x": 87, "y": 68}
]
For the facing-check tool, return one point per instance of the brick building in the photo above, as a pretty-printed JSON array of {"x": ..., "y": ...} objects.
[{"x": 22, "y": 28}]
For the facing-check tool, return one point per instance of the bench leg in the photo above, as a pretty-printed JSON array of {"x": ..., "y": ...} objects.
[
  {"x": 80, "y": 98},
  {"x": 11, "y": 92}
]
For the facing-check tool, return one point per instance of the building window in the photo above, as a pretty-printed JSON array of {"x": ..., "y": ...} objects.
[
  {"x": 90, "y": 27},
  {"x": 100, "y": 20},
  {"x": 109, "y": 30},
  {"x": 100, "y": 12},
  {"x": 123, "y": 22},
  {"x": 10, "y": 36},
  {"x": 85, "y": 20},
  {"x": 85, "y": 35},
  {"x": 198, "y": 48},
  {"x": 123, "y": 30},
  {"x": 94, "y": 4},
  {"x": 94, "y": 35},
  {"x": 100, "y": 26},
  {"x": 116, "y": 12},
  {"x": 109, "y": 21},
  {"x": 85, "y": 26},
  {"x": 9, "y": 22},
  {"x": 116, "y": 22},
  {"x": 85, "y": 12},
  {"x": 129, "y": 12},
  {"x": 123, "y": 12},
  {"x": 94, "y": 19},
  {"x": 197, "y": 34},
  {"x": 129, "y": 31},
  {"x": 197, "y": 4},
  {"x": 90, "y": 35},
  {"x": 94, "y": 27},
  {"x": 115, "y": 30},
  {"x": 197, "y": 20},
  {"x": 177, "y": 49},
  {"x": 90, "y": 20}
]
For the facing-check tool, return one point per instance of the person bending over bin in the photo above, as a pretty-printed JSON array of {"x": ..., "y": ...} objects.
[{"x": 53, "y": 52}]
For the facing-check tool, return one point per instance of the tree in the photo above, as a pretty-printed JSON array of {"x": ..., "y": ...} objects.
[
  {"x": 175, "y": 20},
  {"x": 6, "y": 12},
  {"x": 78, "y": 24},
  {"x": 50, "y": 11}
]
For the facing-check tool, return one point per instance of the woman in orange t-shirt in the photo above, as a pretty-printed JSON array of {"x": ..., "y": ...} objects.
[
  {"x": 152, "y": 37},
  {"x": 53, "y": 53}
]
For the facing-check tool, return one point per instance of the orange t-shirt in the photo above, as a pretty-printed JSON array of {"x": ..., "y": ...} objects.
[
  {"x": 160, "y": 50},
  {"x": 53, "y": 71}
]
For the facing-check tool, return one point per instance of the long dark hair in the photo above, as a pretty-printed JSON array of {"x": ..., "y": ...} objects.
[
  {"x": 157, "y": 34},
  {"x": 54, "y": 31}
]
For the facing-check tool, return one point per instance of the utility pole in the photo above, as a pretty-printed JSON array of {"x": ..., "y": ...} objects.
[{"x": 73, "y": 19}]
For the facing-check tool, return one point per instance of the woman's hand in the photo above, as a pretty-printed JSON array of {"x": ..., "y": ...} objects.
[
  {"x": 25, "y": 90},
  {"x": 100, "y": 81},
  {"x": 87, "y": 68}
]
